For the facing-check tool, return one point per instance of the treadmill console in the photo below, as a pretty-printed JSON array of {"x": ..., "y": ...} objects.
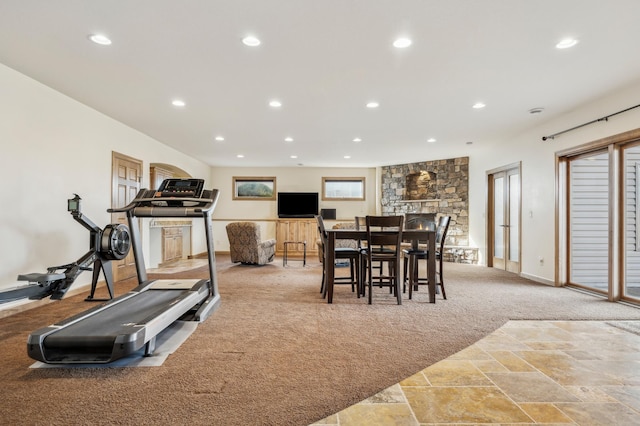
[{"x": 180, "y": 188}]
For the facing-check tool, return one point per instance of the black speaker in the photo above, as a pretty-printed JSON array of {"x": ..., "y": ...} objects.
[{"x": 328, "y": 213}]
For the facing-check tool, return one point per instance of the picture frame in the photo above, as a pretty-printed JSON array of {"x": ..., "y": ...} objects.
[{"x": 254, "y": 188}]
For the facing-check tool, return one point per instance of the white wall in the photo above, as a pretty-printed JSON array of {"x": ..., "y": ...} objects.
[
  {"x": 53, "y": 147},
  {"x": 288, "y": 179},
  {"x": 538, "y": 173}
]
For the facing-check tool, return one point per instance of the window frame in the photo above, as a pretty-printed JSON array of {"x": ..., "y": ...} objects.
[{"x": 329, "y": 180}]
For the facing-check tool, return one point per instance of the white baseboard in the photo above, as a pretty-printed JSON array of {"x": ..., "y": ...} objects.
[{"x": 537, "y": 279}]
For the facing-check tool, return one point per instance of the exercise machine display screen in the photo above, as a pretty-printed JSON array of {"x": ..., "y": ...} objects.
[{"x": 184, "y": 188}]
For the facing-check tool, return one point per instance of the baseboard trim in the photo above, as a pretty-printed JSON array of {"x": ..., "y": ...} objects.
[{"x": 537, "y": 279}]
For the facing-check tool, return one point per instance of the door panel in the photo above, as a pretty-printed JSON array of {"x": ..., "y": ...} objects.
[
  {"x": 127, "y": 175},
  {"x": 631, "y": 234},
  {"x": 504, "y": 229},
  {"x": 513, "y": 262},
  {"x": 598, "y": 216},
  {"x": 498, "y": 221},
  {"x": 589, "y": 221}
]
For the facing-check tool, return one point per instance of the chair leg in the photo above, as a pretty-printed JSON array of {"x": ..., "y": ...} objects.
[
  {"x": 405, "y": 277},
  {"x": 363, "y": 276},
  {"x": 392, "y": 273},
  {"x": 358, "y": 282},
  {"x": 396, "y": 279},
  {"x": 444, "y": 294},
  {"x": 370, "y": 283},
  {"x": 351, "y": 275}
]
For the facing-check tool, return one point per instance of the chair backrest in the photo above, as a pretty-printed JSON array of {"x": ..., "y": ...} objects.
[
  {"x": 244, "y": 233},
  {"x": 321, "y": 229},
  {"x": 441, "y": 230},
  {"x": 385, "y": 232}
]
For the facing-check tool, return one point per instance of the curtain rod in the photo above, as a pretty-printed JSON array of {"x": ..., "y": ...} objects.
[{"x": 606, "y": 118}]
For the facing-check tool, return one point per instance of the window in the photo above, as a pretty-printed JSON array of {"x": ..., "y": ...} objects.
[{"x": 345, "y": 189}]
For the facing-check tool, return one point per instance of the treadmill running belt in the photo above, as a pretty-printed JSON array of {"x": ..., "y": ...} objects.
[{"x": 102, "y": 328}]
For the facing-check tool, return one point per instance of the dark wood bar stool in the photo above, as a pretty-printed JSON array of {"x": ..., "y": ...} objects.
[
  {"x": 412, "y": 256},
  {"x": 341, "y": 253},
  {"x": 384, "y": 236}
]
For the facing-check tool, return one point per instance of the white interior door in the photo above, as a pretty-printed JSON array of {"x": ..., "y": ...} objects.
[{"x": 505, "y": 219}]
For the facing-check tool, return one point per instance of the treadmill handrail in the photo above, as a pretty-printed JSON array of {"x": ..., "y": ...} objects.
[{"x": 208, "y": 203}]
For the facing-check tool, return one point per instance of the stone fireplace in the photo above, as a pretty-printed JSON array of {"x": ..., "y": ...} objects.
[
  {"x": 421, "y": 185},
  {"x": 439, "y": 187},
  {"x": 420, "y": 221}
]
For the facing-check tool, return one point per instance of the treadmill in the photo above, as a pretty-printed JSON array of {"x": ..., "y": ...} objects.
[{"x": 132, "y": 321}]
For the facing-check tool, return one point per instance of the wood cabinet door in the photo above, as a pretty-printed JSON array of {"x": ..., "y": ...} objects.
[
  {"x": 296, "y": 230},
  {"x": 171, "y": 244}
]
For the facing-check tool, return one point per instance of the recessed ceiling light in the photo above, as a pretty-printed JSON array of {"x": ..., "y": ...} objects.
[
  {"x": 431, "y": 140},
  {"x": 294, "y": 156},
  {"x": 373, "y": 104},
  {"x": 357, "y": 140},
  {"x": 251, "y": 41},
  {"x": 566, "y": 43},
  {"x": 401, "y": 43},
  {"x": 478, "y": 105},
  {"x": 219, "y": 138},
  {"x": 346, "y": 157},
  {"x": 275, "y": 104},
  {"x": 178, "y": 103},
  {"x": 288, "y": 139},
  {"x": 100, "y": 39},
  {"x": 240, "y": 156}
]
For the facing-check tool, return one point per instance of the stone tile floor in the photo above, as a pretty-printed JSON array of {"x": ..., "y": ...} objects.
[
  {"x": 178, "y": 266},
  {"x": 526, "y": 372}
]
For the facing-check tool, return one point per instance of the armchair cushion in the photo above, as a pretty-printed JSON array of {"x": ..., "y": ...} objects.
[{"x": 246, "y": 246}]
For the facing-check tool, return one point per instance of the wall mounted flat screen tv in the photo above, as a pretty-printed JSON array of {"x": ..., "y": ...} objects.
[{"x": 297, "y": 204}]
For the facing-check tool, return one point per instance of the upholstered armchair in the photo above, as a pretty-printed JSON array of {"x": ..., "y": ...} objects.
[{"x": 246, "y": 245}]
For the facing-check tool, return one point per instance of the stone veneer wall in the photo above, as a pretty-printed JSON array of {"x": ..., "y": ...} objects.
[{"x": 451, "y": 196}]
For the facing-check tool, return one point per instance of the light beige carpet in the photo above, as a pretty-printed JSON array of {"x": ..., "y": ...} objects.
[{"x": 276, "y": 353}]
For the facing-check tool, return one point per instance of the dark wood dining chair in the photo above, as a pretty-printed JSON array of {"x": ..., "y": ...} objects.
[
  {"x": 352, "y": 254},
  {"x": 384, "y": 236},
  {"x": 361, "y": 224},
  {"x": 412, "y": 278}
]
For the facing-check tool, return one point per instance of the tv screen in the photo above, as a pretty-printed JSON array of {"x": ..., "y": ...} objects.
[{"x": 297, "y": 204}]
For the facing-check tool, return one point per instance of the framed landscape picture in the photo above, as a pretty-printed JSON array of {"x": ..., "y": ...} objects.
[{"x": 254, "y": 188}]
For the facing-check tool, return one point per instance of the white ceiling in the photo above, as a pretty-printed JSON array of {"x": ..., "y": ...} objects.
[{"x": 324, "y": 60}]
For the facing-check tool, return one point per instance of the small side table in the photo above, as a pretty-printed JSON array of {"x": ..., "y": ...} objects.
[{"x": 304, "y": 251}]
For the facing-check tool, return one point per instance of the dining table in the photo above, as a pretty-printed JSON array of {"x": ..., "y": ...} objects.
[{"x": 415, "y": 236}]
